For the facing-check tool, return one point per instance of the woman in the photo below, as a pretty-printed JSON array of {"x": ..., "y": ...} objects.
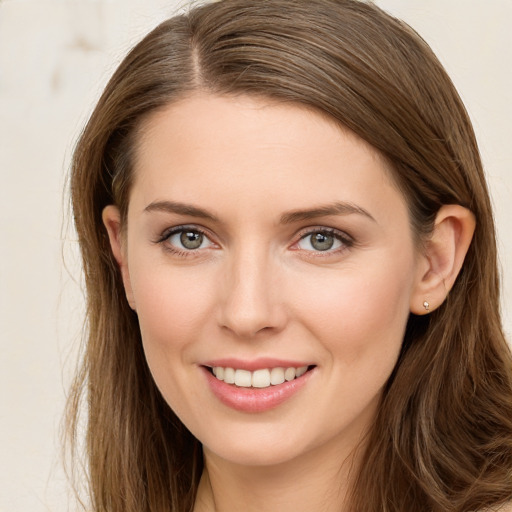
[{"x": 289, "y": 253}]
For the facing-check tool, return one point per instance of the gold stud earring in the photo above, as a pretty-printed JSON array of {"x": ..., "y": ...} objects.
[{"x": 426, "y": 305}]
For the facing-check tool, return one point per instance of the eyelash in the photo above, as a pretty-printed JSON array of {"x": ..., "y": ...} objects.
[
  {"x": 184, "y": 253},
  {"x": 346, "y": 240}
]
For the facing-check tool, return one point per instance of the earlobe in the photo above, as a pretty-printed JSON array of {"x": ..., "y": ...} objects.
[
  {"x": 443, "y": 257},
  {"x": 112, "y": 221}
]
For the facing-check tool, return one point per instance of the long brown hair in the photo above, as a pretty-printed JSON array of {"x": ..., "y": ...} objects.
[{"x": 442, "y": 440}]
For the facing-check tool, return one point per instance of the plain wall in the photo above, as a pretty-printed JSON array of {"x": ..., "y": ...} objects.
[{"x": 55, "y": 57}]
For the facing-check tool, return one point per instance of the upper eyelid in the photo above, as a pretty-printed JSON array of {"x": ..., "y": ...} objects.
[
  {"x": 299, "y": 235},
  {"x": 166, "y": 233},
  {"x": 163, "y": 240},
  {"x": 345, "y": 239},
  {"x": 323, "y": 229}
]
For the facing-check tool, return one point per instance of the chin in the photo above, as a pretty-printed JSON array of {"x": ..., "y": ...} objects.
[
  {"x": 261, "y": 456},
  {"x": 256, "y": 448}
]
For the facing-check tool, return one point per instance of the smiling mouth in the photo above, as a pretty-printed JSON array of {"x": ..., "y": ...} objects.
[{"x": 262, "y": 378}]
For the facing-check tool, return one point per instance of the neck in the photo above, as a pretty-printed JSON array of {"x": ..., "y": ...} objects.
[{"x": 319, "y": 480}]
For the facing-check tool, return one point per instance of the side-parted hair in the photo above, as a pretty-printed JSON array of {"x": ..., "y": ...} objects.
[{"x": 442, "y": 439}]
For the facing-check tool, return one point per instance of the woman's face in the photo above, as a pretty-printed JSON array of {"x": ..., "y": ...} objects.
[{"x": 263, "y": 242}]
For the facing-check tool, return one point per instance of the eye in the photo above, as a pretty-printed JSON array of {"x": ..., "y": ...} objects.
[
  {"x": 323, "y": 241},
  {"x": 187, "y": 239}
]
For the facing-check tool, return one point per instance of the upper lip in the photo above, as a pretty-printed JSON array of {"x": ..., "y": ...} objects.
[{"x": 255, "y": 364}]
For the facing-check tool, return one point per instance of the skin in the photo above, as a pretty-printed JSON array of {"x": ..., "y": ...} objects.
[{"x": 257, "y": 287}]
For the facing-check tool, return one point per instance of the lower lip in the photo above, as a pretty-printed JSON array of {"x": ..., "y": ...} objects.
[{"x": 254, "y": 400}]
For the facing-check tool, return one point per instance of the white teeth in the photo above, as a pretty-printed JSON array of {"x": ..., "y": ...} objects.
[
  {"x": 243, "y": 378},
  {"x": 229, "y": 376},
  {"x": 259, "y": 378},
  {"x": 276, "y": 376},
  {"x": 299, "y": 372},
  {"x": 289, "y": 374}
]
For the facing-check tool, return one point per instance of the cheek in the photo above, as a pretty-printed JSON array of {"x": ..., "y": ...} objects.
[
  {"x": 172, "y": 306},
  {"x": 360, "y": 312}
]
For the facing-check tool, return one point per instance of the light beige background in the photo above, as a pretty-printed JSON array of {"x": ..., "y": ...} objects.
[{"x": 55, "y": 57}]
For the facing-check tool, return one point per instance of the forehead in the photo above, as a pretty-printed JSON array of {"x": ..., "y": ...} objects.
[
  {"x": 237, "y": 115},
  {"x": 245, "y": 146}
]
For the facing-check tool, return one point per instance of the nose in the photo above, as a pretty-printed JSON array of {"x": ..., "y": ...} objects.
[{"x": 251, "y": 302}]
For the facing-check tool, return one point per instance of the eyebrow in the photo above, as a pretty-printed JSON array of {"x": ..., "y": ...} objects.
[
  {"x": 338, "y": 208},
  {"x": 180, "y": 209}
]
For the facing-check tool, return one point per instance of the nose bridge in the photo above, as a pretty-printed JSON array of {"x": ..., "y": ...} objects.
[{"x": 250, "y": 303}]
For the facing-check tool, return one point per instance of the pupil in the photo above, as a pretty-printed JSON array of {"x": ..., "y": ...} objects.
[
  {"x": 322, "y": 242},
  {"x": 191, "y": 240}
]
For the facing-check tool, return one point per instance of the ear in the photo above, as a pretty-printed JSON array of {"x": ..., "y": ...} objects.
[
  {"x": 443, "y": 258},
  {"x": 112, "y": 220}
]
